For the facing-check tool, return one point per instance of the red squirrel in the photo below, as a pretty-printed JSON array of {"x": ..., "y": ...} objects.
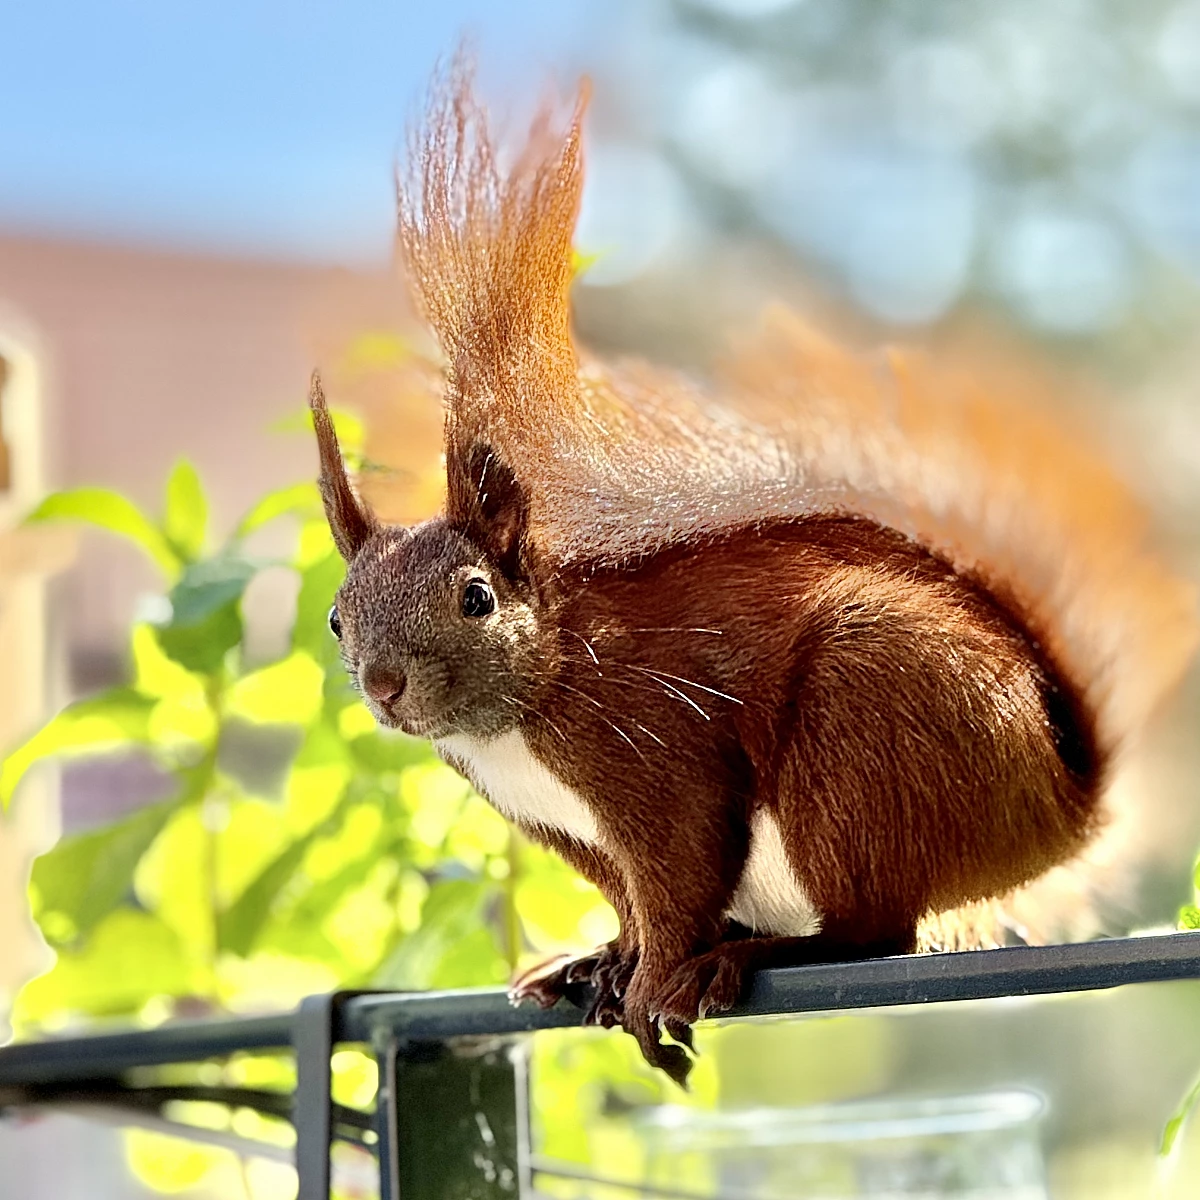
[{"x": 781, "y": 678}]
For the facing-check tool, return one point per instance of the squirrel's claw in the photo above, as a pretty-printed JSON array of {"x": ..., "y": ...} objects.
[
  {"x": 606, "y": 970},
  {"x": 709, "y": 984}
]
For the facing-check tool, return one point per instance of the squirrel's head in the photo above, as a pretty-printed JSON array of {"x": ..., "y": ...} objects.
[{"x": 438, "y": 624}]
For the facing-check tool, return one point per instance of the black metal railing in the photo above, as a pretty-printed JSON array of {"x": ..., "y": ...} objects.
[{"x": 452, "y": 1092}]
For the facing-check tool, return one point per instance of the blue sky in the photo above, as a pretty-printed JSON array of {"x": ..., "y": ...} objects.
[{"x": 264, "y": 127}]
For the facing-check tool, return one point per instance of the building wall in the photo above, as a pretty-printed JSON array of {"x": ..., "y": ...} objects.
[{"x": 147, "y": 356}]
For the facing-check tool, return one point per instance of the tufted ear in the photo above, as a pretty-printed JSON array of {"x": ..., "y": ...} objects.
[
  {"x": 350, "y": 521},
  {"x": 492, "y": 508}
]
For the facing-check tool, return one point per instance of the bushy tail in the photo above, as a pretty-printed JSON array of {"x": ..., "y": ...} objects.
[
  {"x": 998, "y": 487},
  {"x": 1006, "y": 492}
]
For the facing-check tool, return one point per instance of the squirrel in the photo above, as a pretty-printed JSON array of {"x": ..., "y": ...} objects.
[{"x": 783, "y": 677}]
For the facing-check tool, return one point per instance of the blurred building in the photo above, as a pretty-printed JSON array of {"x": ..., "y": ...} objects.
[{"x": 145, "y": 356}]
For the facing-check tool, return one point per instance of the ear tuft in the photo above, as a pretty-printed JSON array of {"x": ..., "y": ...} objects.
[
  {"x": 492, "y": 509},
  {"x": 487, "y": 243},
  {"x": 350, "y": 521}
]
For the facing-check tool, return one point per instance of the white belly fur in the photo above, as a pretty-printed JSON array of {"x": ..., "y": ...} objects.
[
  {"x": 516, "y": 784},
  {"x": 769, "y": 898}
]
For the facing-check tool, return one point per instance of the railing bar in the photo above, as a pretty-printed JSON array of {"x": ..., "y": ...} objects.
[
  {"x": 875, "y": 983},
  {"x": 102, "y": 1055},
  {"x": 438, "y": 1016},
  {"x": 312, "y": 1113},
  {"x": 386, "y": 1120}
]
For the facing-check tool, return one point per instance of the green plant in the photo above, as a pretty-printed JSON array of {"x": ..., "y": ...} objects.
[{"x": 361, "y": 861}]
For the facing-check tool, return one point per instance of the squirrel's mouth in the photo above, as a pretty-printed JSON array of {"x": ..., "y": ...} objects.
[
  {"x": 414, "y": 724},
  {"x": 423, "y": 727},
  {"x": 433, "y": 727}
]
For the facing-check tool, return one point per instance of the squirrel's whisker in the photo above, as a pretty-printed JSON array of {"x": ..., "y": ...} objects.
[
  {"x": 589, "y": 699},
  {"x": 671, "y": 689},
  {"x": 529, "y": 708},
  {"x": 621, "y": 733},
  {"x": 586, "y": 645},
  {"x": 668, "y": 629},
  {"x": 650, "y": 734},
  {"x": 616, "y": 729},
  {"x": 689, "y": 682}
]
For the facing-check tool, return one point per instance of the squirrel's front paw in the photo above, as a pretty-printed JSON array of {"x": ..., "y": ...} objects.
[{"x": 610, "y": 981}]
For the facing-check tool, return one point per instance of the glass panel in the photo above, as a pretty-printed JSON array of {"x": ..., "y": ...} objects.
[{"x": 1020, "y": 1099}]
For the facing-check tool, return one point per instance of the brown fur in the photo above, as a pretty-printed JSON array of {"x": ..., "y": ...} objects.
[{"x": 878, "y": 614}]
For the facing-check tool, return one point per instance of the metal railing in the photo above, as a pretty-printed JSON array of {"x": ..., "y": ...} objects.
[{"x": 451, "y": 1090}]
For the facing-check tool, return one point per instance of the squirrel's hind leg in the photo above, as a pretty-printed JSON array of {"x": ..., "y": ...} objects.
[
  {"x": 606, "y": 972},
  {"x": 608, "y": 969}
]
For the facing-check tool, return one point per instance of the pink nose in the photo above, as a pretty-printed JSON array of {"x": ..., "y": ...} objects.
[{"x": 384, "y": 685}]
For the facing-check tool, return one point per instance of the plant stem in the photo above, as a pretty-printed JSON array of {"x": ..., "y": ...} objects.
[
  {"x": 513, "y": 941},
  {"x": 210, "y": 818}
]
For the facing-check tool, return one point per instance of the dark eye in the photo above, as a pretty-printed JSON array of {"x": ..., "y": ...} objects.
[
  {"x": 335, "y": 623},
  {"x": 478, "y": 600}
]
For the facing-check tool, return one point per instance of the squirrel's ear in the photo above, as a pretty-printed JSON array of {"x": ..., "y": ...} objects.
[
  {"x": 350, "y": 521},
  {"x": 493, "y": 510}
]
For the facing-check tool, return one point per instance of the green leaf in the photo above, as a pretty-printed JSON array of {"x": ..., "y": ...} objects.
[
  {"x": 303, "y": 498},
  {"x": 323, "y": 746},
  {"x": 319, "y": 583},
  {"x": 1189, "y": 917},
  {"x": 381, "y": 753},
  {"x": 375, "y": 350},
  {"x": 554, "y": 903},
  {"x": 203, "y": 646},
  {"x": 207, "y": 587},
  {"x": 287, "y": 692},
  {"x": 473, "y": 960},
  {"x": 185, "y": 519},
  {"x": 453, "y": 911},
  {"x": 1178, "y": 1119},
  {"x": 582, "y": 262},
  {"x": 112, "y": 511},
  {"x": 157, "y": 675},
  {"x": 170, "y": 1166},
  {"x": 131, "y": 957},
  {"x": 206, "y": 622},
  {"x": 349, "y": 428},
  {"x": 239, "y": 925},
  {"x": 83, "y": 878},
  {"x": 114, "y": 718},
  {"x": 323, "y": 897}
]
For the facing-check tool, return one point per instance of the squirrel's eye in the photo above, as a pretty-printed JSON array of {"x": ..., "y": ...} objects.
[
  {"x": 478, "y": 600},
  {"x": 335, "y": 623}
]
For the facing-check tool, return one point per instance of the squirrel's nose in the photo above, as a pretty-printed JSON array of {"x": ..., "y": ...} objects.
[{"x": 383, "y": 684}]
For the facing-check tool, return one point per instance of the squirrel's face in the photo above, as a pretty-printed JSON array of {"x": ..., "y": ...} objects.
[
  {"x": 436, "y": 638},
  {"x": 438, "y": 623}
]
